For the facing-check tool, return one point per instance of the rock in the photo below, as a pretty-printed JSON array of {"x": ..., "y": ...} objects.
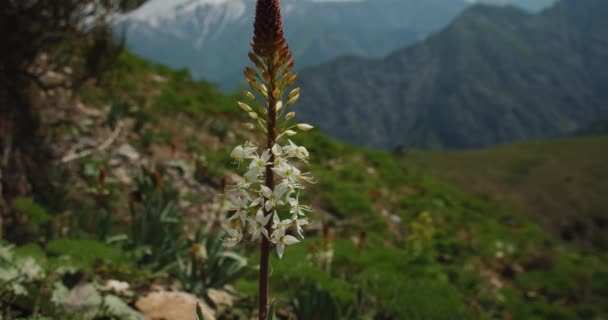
[
  {"x": 120, "y": 309},
  {"x": 117, "y": 286},
  {"x": 158, "y": 78},
  {"x": 122, "y": 175},
  {"x": 127, "y": 151},
  {"x": 221, "y": 298},
  {"x": 172, "y": 305}
]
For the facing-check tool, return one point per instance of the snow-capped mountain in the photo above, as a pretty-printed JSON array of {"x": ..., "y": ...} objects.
[{"x": 211, "y": 37}]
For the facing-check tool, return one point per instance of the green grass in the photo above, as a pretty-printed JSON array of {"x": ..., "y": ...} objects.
[{"x": 560, "y": 183}]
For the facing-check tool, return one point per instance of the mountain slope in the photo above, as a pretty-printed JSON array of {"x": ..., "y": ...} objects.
[
  {"x": 422, "y": 250},
  {"x": 495, "y": 75},
  {"x": 560, "y": 183},
  {"x": 210, "y": 37}
]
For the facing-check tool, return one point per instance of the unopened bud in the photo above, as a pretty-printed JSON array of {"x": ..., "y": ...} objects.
[
  {"x": 249, "y": 126},
  {"x": 279, "y": 105},
  {"x": 290, "y": 116},
  {"x": 244, "y": 106},
  {"x": 253, "y": 115},
  {"x": 304, "y": 126},
  {"x": 262, "y": 110},
  {"x": 290, "y": 133},
  {"x": 276, "y": 93},
  {"x": 253, "y": 85},
  {"x": 256, "y": 60},
  {"x": 250, "y": 73},
  {"x": 292, "y": 79},
  {"x": 293, "y": 93},
  {"x": 293, "y": 100},
  {"x": 290, "y": 65},
  {"x": 249, "y": 95}
]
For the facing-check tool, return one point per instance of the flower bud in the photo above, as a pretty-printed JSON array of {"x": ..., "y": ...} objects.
[
  {"x": 248, "y": 95},
  {"x": 256, "y": 60},
  {"x": 262, "y": 110},
  {"x": 290, "y": 133},
  {"x": 293, "y": 100},
  {"x": 279, "y": 105},
  {"x": 293, "y": 93},
  {"x": 249, "y": 126},
  {"x": 290, "y": 116},
  {"x": 292, "y": 79},
  {"x": 304, "y": 126},
  {"x": 244, "y": 106},
  {"x": 276, "y": 93},
  {"x": 250, "y": 73},
  {"x": 290, "y": 65},
  {"x": 253, "y": 115},
  {"x": 253, "y": 85}
]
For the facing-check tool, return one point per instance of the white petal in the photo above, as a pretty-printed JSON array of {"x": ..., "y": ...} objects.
[
  {"x": 267, "y": 192},
  {"x": 280, "y": 249},
  {"x": 290, "y": 240},
  {"x": 264, "y": 220},
  {"x": 276, "y": 149}
]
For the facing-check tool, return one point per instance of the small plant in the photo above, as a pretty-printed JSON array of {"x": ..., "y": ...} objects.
[
  {"x": 155, "y": 222},
  {"x": 270, "y": 189},
  {"x": 208, "y": 265}
]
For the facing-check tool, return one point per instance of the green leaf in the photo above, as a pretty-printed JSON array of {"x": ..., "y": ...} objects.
[
  {"x": 199, "y": 312},
  {"x": 271, "y": 313},
  {"x": 36, "y": 214},
  {"x": 85, "y": 253}
]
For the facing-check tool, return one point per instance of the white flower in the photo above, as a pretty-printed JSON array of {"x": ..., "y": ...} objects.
[
  {"x": 297, "y": 224},
  {"x": 278, "y": 227},
  {"x": 301, "y": 153},
  {"x": 234, "y": 236},
  {"x": 241, "y": 205},
  {"x": 303, "y": 177},
  {"x": 285, "y": 240},
  {"x": 252, "y": 175},
  {"x": 259, "y": 163},
  {"x": 289, "y": 187},
  {"x": 287, "y": 171},
  {"x": 244, "y": 183},
  {"x": 243, "y": 152},
  {"x": 290, "y": 149},
  {"x": 273, "y": 198},
  {"x": 258, "y": 226},
  {"x": 297, "y": 209}
]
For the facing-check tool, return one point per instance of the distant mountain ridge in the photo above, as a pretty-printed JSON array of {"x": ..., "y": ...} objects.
[
  {"x": 210, "y": 37},
  {"x": 494, "y": 75}
]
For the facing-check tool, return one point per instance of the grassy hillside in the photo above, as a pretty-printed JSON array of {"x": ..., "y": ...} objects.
[
  {"x": 561, "y": 183},
  {"x": 387, "y": 242}
]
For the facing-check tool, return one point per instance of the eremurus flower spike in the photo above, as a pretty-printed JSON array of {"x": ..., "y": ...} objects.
[{"x": 271, "y": 184}]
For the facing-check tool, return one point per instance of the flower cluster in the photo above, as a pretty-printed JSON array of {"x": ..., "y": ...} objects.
[{"x": 255, "y": 203}]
